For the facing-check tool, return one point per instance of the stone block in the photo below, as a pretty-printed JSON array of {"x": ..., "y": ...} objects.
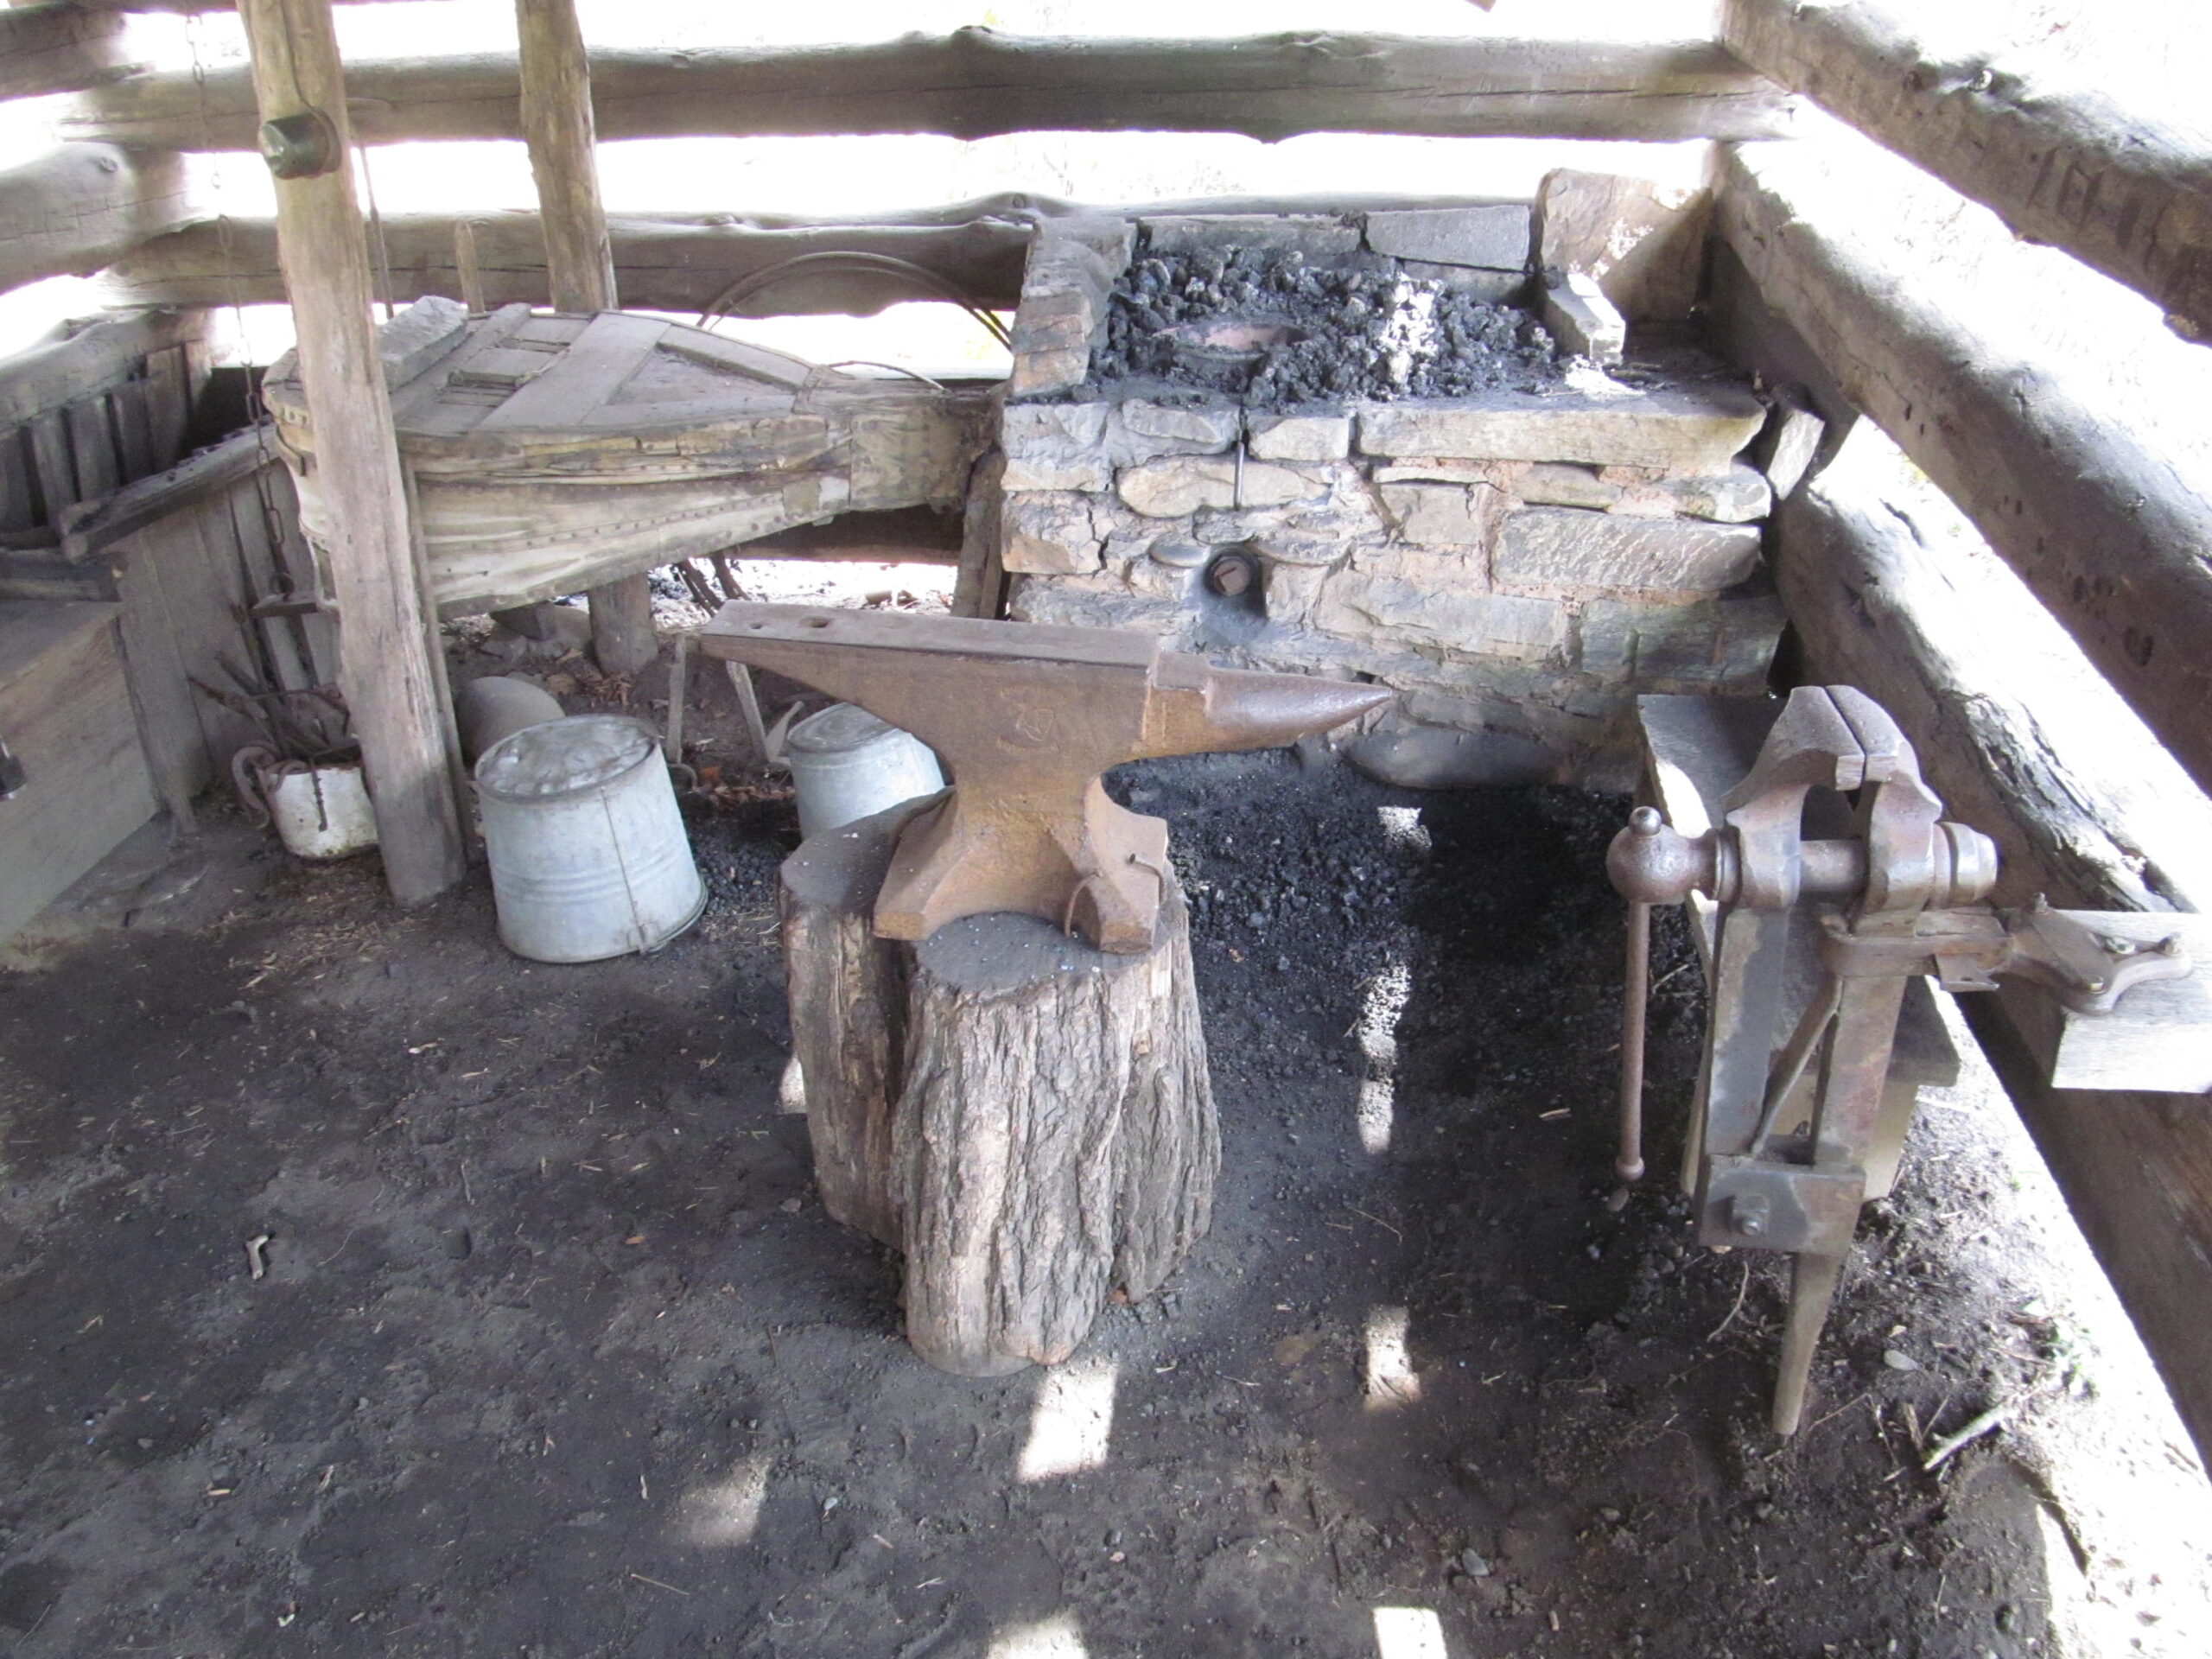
[
  {"x": 1055, "y": 447},
  {"x": 1177, "y": 486},
  {"x": 1494, "y": 236},
  {"x": 1726, "y": 644},
  {"x": 1316, "y": 236},
  {"x": 1692, "y": 429},
  {"x": 1281, "y": 544},
  {"x": 1300, "y": 438},
  {"x": 1643, "y": 241},
  {"x": 1582, "y": 320},
  {"x": 1557, "y": 484},
  {"x": 1036, "y": 373},
  {"x": 1062, "y": 601},
  {"x": 1048, "y": 533},
  {"x": 1568, "y": 548},
  {"x": 1289, "y": 591},
  {"x": 1137, "y": 432},
  {"x": 1739, "y": 496},
  {"x": 1445, "y": 515},
  {"x": 1357, "y": 603}
]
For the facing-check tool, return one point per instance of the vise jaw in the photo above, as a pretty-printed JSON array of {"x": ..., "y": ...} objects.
[{"x": 1026, "y": 717}]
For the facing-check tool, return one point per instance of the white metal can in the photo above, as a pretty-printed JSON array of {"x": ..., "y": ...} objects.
[
  {"x": 589, "y": 858},
  {"x": 846, "y": 765}
]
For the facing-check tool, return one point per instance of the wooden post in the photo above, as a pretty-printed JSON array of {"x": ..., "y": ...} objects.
[
  {"x": 385, "y": 637},
  {"x": 556, "y": 123}
]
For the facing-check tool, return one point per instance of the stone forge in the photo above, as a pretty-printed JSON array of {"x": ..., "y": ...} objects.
[{"x": 1519, "y": 563}]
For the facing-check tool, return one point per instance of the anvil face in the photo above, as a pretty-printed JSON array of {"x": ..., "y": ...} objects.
[{"x": 1026, "y": 718}]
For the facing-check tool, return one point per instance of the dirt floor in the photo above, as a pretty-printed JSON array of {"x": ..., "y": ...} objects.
[{"x": 556, "y": 1354}]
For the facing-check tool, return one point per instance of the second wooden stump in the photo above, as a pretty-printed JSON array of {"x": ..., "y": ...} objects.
[{"x": 1028, "y": 1119}]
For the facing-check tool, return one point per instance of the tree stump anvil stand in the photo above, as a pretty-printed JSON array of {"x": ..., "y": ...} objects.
[{"x": 1028, "y": 1119}]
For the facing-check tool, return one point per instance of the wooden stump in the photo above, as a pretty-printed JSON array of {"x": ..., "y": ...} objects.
[
  {"x": 847, "y": 992},
  {"x": 1029, "y": 1119}
]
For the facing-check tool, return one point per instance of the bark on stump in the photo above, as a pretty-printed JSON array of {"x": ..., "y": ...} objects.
[{"x": 1029, "y": 1119}]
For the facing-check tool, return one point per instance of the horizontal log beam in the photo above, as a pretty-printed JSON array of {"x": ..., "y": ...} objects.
[
  {"x": 683, "y": 262},
  {"x": 82, "y": 206},
  {"x": 977, "y": 83},
  {"x": 2070, "y": 167},
  {"x": 2105, "y": 530},
  {"x": 81, "y": 360},
  {"x": 57, "y": 49},
  {"x": 1875, "y": 609}
]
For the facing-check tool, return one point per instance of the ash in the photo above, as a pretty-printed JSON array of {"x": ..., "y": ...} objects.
[{"x": 1345, "y": 333}]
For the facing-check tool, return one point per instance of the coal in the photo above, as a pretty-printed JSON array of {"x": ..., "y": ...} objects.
[{"x": 1265, "y": 327}]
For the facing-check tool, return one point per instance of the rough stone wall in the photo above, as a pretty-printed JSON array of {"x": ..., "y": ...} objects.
[{"x": 1519, "y": 566}]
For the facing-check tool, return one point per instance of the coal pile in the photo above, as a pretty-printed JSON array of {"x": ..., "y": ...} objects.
[{"x": 1266, "y": 327}]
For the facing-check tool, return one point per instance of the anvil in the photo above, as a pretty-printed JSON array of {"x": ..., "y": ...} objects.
[{"x": 1026, "y": 717}]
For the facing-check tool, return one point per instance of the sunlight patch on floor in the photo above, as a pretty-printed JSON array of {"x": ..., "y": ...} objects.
[
  {"x": 1390, "y": 1379},
  {"x": 1057, "y": 1637},
  {"x": 1387, "y": 993},
  {"x": 1408, "y": 1633},
  {"x": 1401, "y": 827},
  {"x": 725, "y": 1514},
  {"x": 1072, "y": 1420}
]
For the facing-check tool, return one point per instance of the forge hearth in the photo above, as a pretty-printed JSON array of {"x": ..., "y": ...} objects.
[{"x": 1447, "y": 474}]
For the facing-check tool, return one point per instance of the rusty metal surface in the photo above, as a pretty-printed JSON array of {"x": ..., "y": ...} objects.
[{"x": 1026, "y": 717}]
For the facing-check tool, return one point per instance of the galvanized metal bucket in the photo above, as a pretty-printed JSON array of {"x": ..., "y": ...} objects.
[
  {"x": 846, "y": 765},
  {"x": 588, "y": 855}
]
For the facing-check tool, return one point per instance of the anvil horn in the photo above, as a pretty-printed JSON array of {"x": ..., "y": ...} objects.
[
  {"x": 1027, "y": 717},
  {"x": 1196, "y": 708}
]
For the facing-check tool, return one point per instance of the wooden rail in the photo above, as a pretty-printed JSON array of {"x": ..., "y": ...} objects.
[
  {"x": 684, "y": 262},
  {"x": 57, "y": 49},
  {"x": 1874, "y": 608},
  {"x": 2069, "y": 167},
  {"x": 73, "y": 211},
  {"x": 977, "y": 83},
  {"x": 2106, "y": 530}
]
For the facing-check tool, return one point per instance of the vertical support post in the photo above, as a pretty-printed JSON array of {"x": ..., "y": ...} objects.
[
  {"x": 385, "y": 636},
  {"x": 557, "y": 124}
]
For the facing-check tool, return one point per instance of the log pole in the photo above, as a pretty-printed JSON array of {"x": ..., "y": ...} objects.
[
  {"x": 385, "y": 637},
  {"x": 556, "y": 124}
]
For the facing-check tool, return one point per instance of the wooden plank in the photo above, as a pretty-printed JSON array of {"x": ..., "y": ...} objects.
[
  {"x": 391, "y": 681},
  {"x": 89, "y": 358},
  {"x": 128, "y": 404},
  {"x": 82, "y": 206},
  {"x": 52, "y": 469},
  {"x": 169, "y": 405},
  {"x": 2068, "y": 165},
  {"x": 171, "y": 721},
  {"x": 18, "y": 494},
  {"x": 92, "y": 446},
  {"x": 2104, "y": 529},
  {"x": 1876, "y": 609},
  {"x": 685, "y": 261},
  {"x": 977, "y": 82},
  {"x": 94, "y": 526},
  {"x": 66, "y": 714},
  {"x": 57, "y": 49}
]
